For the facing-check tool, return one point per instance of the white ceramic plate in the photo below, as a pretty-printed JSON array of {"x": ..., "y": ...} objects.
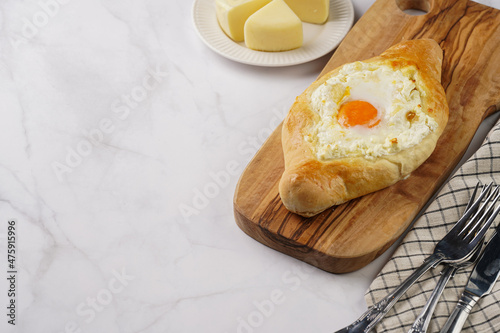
[{"x": 318, "y": 39}]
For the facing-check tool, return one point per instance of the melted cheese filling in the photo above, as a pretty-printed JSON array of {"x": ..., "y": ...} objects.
[{"x": 395, "y": 95}]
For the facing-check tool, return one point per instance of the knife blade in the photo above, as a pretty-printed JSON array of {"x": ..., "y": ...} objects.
[{"x": 481, "y": 282}]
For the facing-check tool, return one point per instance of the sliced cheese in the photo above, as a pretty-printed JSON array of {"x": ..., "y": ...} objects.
[
  {"x": 311, "y": 11},
  {"x": 274, "y": 27},
  {"x": 232, "y": 15}
]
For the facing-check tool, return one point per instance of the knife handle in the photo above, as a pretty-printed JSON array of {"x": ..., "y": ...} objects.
[{"x": 459, "y": 315}]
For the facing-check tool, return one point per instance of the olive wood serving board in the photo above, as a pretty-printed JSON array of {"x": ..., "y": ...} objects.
[{"x": 348, "y": 237}]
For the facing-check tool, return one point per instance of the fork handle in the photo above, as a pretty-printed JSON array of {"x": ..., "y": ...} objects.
[
  {"x": 458, "y": 317},
  {"x": 377, "y": 311},
  {"x": 422, "y": 322}
]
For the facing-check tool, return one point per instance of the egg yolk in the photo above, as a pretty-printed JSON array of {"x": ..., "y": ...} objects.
[{"x": 358, "y": 113}]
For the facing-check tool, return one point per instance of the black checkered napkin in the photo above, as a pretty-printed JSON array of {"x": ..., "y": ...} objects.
[{"x": 440, "y": 216}]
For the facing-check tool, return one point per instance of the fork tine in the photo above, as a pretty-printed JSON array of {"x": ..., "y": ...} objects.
[
  {"x": 471, "y": 200},
  {"x": 459, "y": 226},
  {"x": 480, "y": 235},
  {"x": 486, "y": 216},
  {"x": 481, "y": 214}
]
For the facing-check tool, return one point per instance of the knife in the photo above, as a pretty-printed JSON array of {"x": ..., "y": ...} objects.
[{"x": 481, "y": 282}]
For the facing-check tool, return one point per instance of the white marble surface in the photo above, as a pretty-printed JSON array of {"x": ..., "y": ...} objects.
[{"x": 115, "y": 117}]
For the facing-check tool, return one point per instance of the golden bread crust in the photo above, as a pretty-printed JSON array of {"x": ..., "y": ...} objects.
[{"x": 309, "y": 185}]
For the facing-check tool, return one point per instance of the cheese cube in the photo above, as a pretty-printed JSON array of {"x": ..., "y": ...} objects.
[
  {"x": 310, "y": 11},
  {"x": 274, "y": 27},
  {"x": 232, "y": 15}
]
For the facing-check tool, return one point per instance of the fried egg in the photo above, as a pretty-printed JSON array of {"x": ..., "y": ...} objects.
[{"x": 369, "y": 110}]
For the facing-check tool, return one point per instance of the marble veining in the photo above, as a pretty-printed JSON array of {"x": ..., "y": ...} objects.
[{"x": 122, "y": 137}]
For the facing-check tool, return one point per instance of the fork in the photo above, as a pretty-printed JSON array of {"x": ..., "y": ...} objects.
[
  {"x": 422, "y": 322},
  {"x": 455, "y": 247}
]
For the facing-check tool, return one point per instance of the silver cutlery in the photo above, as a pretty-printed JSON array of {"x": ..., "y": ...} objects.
[
  {"x": 455, "y": 247},
  {"x": 481, "y": 282},
  {"x": 421, "y": 323}
]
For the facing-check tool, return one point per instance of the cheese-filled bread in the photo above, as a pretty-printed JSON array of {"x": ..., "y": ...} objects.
[{"x": 362, "y": 127}]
